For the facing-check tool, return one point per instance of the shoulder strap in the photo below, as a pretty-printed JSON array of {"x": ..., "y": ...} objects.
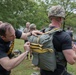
[
  {"x": 53, "y": 31},
  {"x": 11, "y": 48}
]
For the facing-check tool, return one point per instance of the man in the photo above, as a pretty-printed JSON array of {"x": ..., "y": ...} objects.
[
  {"x": 7, "y": 37},
  {"x": 70, "y": 31},
  {"x": 62, "y": 42},
  {"x": 26, "y": 30},
  {"x": 32, "y": 27},
  {"x": 27, "y": 27}
]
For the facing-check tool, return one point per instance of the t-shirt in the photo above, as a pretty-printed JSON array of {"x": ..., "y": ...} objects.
[
  {"x": 4, "y": 48},
  {"x": 62, "y": 41}
]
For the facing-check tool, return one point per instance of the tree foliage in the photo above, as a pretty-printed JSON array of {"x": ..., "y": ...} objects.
[{"x": 18, "y": 12}]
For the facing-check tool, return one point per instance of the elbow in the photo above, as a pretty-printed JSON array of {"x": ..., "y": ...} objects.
[
  {"x": 71, "y": 62},
  {"x": 8, "y": 68}
]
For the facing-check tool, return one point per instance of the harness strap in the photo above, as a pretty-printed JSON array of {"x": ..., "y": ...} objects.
[
  {"x": 42, "y": 50},
  {"x": 53, "y": 30},
  {"x": 34, "y": 44},
  {"x": 38, "y": 48},
  {"x": 11, "y": 48}
]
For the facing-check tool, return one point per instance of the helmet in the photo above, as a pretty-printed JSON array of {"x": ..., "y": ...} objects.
[
  {"x": 32, "y": 26},
  {"x": 56, "y": 11}
]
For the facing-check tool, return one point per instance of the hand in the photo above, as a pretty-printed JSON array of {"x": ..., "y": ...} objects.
[
  {"x": 35, "y": 32},
  {"x": 27, "y": 46}
]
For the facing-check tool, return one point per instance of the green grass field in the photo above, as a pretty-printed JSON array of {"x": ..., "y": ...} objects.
[{"x": 25, "y": 67}]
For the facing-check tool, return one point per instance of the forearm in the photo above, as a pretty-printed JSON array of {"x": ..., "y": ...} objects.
[
  {"x": 9, "y": 64},
  {"x": 25, "y": 35},
  {"x": 19, "y": 59},
  {"x": 29, "y": 33},
  {"x": 73, "y": 57}
]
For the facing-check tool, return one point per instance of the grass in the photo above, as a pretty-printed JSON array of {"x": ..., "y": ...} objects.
[{"x": 25, "y": 67}]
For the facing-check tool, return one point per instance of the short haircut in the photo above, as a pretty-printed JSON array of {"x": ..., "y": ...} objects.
[{"x": 4, "y": 27}]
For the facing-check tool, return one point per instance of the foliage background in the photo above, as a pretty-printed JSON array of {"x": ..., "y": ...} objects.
[{"x": 18, "y": 12}]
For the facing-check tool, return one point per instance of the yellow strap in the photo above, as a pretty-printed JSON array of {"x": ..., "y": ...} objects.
[
  {"x": 38, "y": 39},
  {"x": 51, "y": 31},
  {"x": 11, "y": 48},
  {"x": 35, "y": 47},
  {"x": 43, "y": 50},
  {"x": 38, "y": 48},
  {"x": 34, "y": 44}
]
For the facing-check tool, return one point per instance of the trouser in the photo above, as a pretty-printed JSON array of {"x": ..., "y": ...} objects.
[{"x": 64, "y": 72}]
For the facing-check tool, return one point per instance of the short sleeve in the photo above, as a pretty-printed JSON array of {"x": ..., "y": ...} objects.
[
  {"x": 67, "y": 43},
  {"x": 2, "y": 51},
  {"x": 18, "y": 34}
]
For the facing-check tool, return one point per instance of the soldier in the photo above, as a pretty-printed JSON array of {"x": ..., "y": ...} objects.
[
  {"x": 32, "y": 27},
  {"x": 57, "y": 14},
  {"x": 70, "y": 31},
  {"x": 27, "y": 27}
]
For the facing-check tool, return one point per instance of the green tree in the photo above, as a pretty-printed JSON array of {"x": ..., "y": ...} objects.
[
  {"x": 69, "y": 5},
  {"x": 18, "y": 12}
]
